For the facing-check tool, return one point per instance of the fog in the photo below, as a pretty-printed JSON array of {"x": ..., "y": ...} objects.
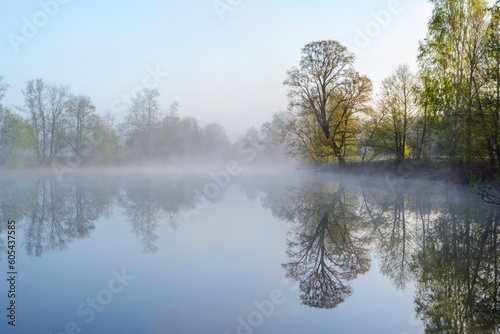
[
  {"x": 321, "y": 240},
  {"x": 220, "y": 67},
  {"x": 239, "y": 167}
]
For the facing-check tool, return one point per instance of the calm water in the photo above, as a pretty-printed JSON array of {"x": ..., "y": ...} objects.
[{"x": 297, "y": 252}]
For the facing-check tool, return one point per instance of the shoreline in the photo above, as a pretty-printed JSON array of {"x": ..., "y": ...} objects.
[{"x": 418, "y": 170}]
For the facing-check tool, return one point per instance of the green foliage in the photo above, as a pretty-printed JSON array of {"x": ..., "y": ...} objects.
[
  {"x": 326, "y": 94},
  {"x": 150, "y": 136},
  {"x": 16, "y": 140},
  {"x": 454, "y": 64}
]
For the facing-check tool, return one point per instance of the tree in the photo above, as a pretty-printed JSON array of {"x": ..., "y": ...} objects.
[
  {"x": 451, "y": 59},
  {"x": 489, "y": 92},
  {"x": 34, "y": 99},
  {"x": 15, "y": 136},
  {"x": 178, "y": 138},
  {"x": 398, "y": 106},
  {"x": 325, "y": 94},
  {"x": 15, "y": 139},
  {"x": 88, "y": 135},
  {"x": 47, "y": 106},
  {"x": 58, "y": 99},
  {"x": 3, "y": 88},
  {"x": 143, "y": 117},
  {"x": 214, "y": 141},
  {"x": 81, "y": 117}
]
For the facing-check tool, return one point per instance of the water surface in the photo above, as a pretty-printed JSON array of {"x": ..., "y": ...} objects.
[{"x": 294, "y": 252}]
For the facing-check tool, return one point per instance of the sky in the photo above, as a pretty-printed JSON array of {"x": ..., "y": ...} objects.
[{"x": 223, "y": 61}]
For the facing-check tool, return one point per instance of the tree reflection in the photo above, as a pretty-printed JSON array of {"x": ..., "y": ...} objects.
[
  {"x": 150, "y": 200},
  {"x": 14, "y": 200},
  {"x": 394, "y": 231},
  {"x": 328, "y": 248},
  {"x": 60, "y": 212},
  {"x": 458, "y": 270},
  {"x": 143, "y": 211},
  {"x": 55, "y": 211},
  {"x": 446, "y": 242},
  {"x": 399, "y": 219},
  {"x": 395, "y": 245}
]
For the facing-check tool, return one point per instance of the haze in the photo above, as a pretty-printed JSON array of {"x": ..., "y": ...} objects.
[{"x": 225, "y": 66}]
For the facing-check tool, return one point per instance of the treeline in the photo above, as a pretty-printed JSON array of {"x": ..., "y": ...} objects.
[
  {"x": 56, "y": 127},
  {"x": 448, "y": 110}
]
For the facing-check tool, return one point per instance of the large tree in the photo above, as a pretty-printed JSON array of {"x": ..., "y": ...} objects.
[{"x": 325, "y": 94}]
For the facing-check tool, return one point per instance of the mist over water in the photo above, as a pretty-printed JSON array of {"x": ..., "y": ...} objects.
[
  {"x": 281, "y": 250},
  {"x": 194, "y": 173}
]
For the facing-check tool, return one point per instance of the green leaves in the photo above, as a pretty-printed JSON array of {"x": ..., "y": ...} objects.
[{"x": 325, "y": 94}]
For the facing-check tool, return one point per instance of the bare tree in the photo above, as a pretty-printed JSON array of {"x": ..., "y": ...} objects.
[
  {"x": 143, "y": 115},
  {"x": 82, "y": 120},
  {"x": 47, "y": 106},
  {"x": 58, "y": 100},
  {"x": 34, "y": 100}
]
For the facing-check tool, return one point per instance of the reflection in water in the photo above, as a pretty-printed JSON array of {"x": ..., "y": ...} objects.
[
  {"x": 59, "y": 212},
  {"x": 144, "y": 213},
  {"x": 445, "y": 241},
  {"x": 54, "y": 212},
  {"x": 328, "y": 249},
  {"x": 148, "y": 201},
  {"x": 393, "y": 228},
  {"x": 458, "y": 269}
]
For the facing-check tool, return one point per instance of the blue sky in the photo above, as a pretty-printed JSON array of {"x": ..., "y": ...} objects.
[{"x": 224, "y": 65}]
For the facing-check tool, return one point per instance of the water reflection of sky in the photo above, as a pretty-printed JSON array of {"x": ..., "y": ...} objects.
[{"x": 204, "y": 276}]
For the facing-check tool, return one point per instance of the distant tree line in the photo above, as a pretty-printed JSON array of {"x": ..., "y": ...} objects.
[
  {"x": 54, "y": 125},
  {"x": 448, "y": 111}
]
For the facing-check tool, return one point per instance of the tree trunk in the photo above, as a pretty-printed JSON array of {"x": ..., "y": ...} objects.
[{"x": 341, "y": 160}]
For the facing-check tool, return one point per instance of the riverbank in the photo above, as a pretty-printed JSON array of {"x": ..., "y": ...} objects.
[{"x": 423, "y": 170}]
